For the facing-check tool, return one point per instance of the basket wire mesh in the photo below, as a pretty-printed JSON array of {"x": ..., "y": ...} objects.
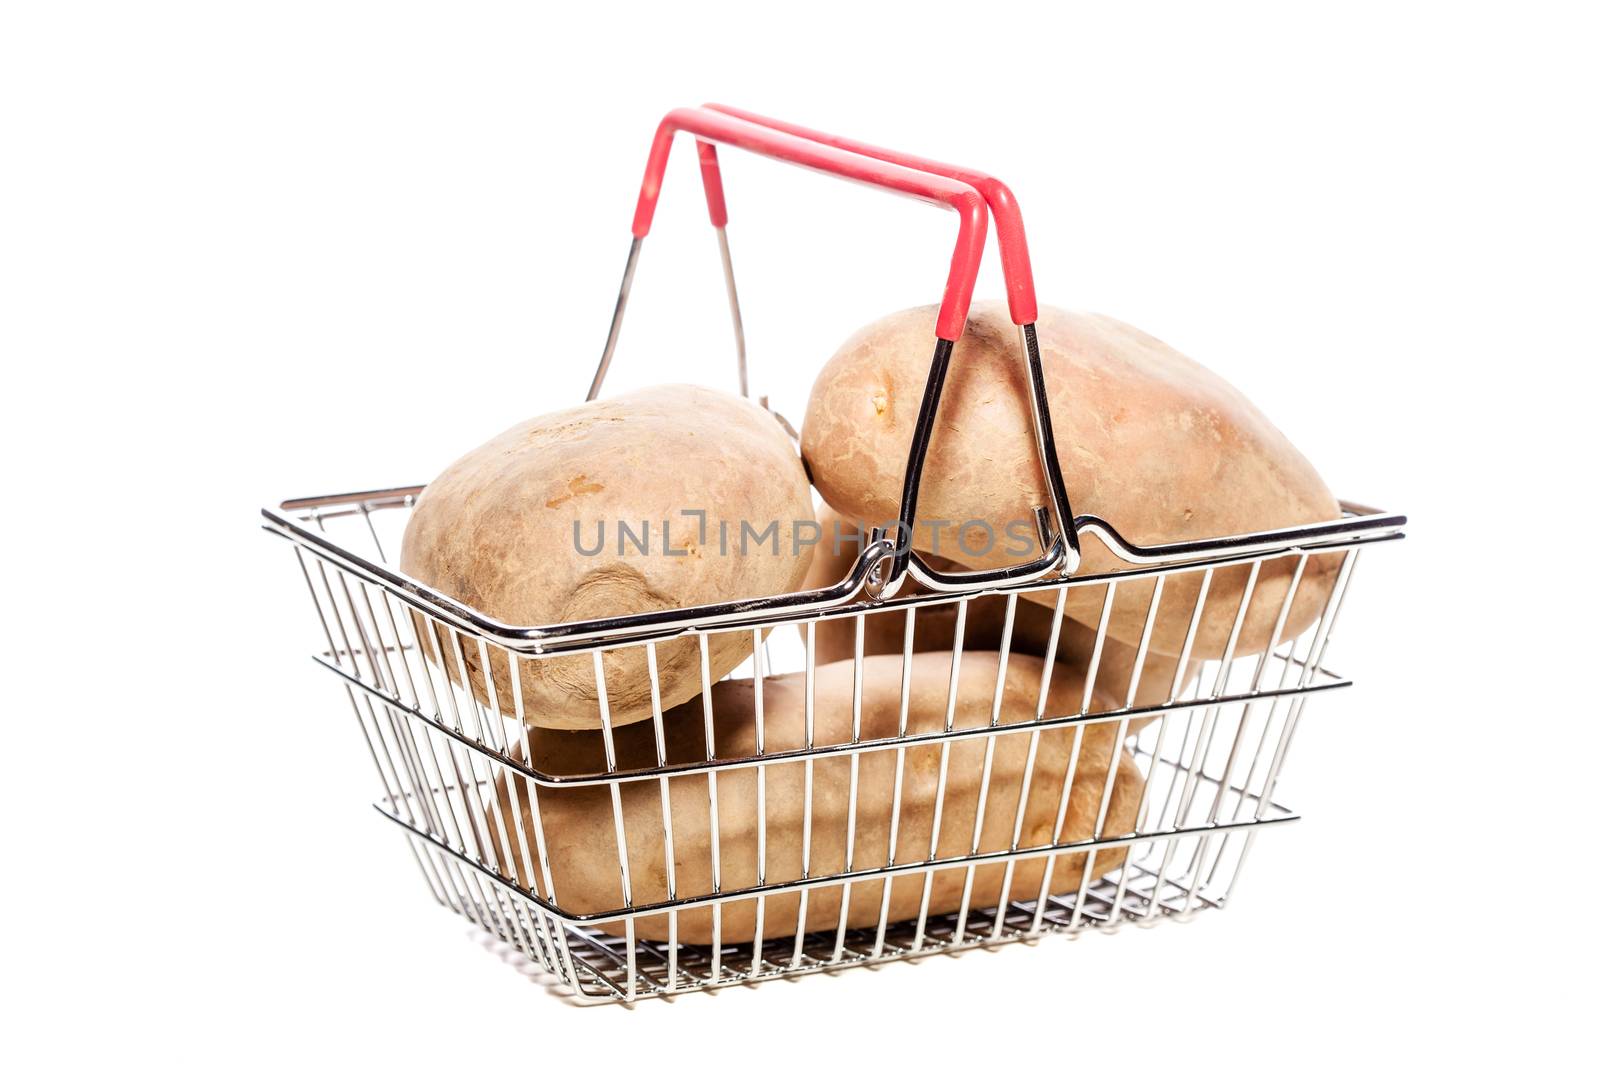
[{"x": 449, "y": 754}]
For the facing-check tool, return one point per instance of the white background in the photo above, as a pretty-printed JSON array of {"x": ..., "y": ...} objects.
[{"x": 258, "y": 251}]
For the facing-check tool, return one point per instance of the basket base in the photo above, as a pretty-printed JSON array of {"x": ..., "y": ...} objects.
[{"x": 597, "y": 967}]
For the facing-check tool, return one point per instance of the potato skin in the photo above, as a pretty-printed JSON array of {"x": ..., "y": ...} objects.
[
  {"x": 884, "y": 632},
  {"x": 579, "y": 831},
  {"x": 496, "y": 531},
  {"x": 1152, "y": 442}
]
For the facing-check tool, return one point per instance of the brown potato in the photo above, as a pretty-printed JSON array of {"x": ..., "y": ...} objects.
[
  {"x": 509, "y": 529},
  {"x": 884, "y": 632},
  {"x": 578, "y": 823},
  {"x": 1153, "y": 443}
]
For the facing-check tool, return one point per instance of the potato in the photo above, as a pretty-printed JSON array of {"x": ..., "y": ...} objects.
[
  {"x": 1153, "y": 443},
  {"x": 529, "y": 529},
  {"x": 884, "y": 632},
  {"x": 578, "y": 822}
]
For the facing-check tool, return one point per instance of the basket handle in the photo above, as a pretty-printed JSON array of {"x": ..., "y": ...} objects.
[
  {"x": 1008, "y": 229},
  {"x": 924, "y": 180},
  {"x": 712, "y": 128},
  {"x": 1017, "y": 266}
]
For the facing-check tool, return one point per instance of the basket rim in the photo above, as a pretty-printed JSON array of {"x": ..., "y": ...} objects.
[{"x": 1360, "y": 526}]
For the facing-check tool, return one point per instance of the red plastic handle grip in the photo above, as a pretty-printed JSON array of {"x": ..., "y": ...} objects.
[
  {"x": 711, "y": 178},
  {"x": 710, "y": 126},
  {"x": 1013, "y": 240}
]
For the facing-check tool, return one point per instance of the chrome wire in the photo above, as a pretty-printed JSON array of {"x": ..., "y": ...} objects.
[{"x": 445, "y": 720}]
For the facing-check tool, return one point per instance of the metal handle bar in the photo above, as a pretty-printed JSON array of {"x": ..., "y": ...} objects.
[
  {"x": 713, "y": 128},
  {"x": 1060, "y": 546},
  {"x": 1017, "y": 266}
]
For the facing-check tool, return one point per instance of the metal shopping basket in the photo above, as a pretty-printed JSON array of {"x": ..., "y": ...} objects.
[{"x": 464, "y": 785}]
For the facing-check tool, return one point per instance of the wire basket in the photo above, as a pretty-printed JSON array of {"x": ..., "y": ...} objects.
[{"x": 818, "y": 838}]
